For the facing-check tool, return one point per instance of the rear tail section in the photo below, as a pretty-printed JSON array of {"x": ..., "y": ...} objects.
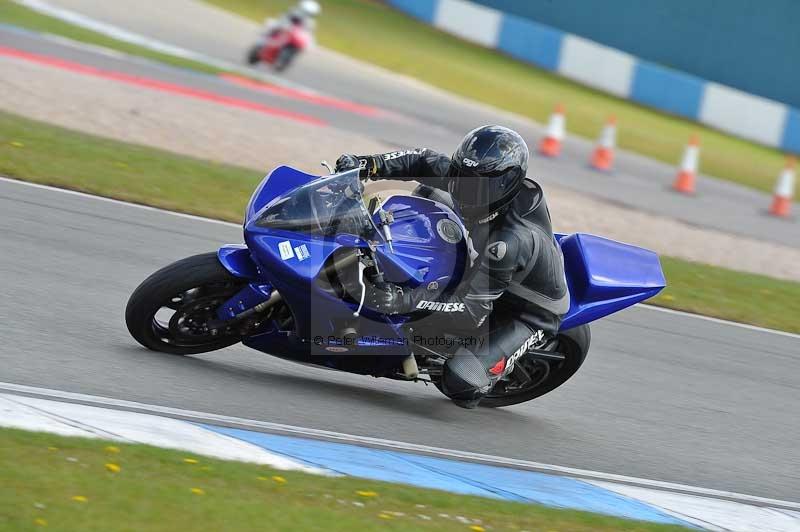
[{"x": 605, "y": 276}]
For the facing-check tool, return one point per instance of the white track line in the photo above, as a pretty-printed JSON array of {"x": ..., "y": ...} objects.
[
  {"x": 75, "y": 419},
  {"x": 230, "y": 224},
  {"x": 4, "y": 179},
  {"x": 721, "y": 321},
  {"x": 265, "y": 426}
]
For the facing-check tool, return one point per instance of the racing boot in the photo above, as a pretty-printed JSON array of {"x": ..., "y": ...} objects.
[
  {"x": 466, "y": 379},
  {"x": 468, "y": 376}
]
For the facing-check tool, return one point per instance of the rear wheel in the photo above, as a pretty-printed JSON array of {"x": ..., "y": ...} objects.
[
  {"x": 171, "y": 309},
  {"x": 534, "y": 376},
  {"x": 285, "y": 57}
]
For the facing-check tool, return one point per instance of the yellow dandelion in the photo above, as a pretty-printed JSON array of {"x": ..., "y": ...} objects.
[
  {"x": 40, "y": 521},
  {"x": 366, "y": 493},
  {"x": 477, "y": 528},
  {"x": 113, "y": 449},
  {"x": 384, "y": 515},
  {"x": 279, "y": 480},
  {"x": 668, "y": 297},
  {"x": 17, "y": 144},
  {"x": 262, "y": 478},
  {"x": 51, "y": 448},
  {"x": 113, "y": 468},
  {"x": 190, "y": 460},
  {"x": 80, "y": 498},
  {"x": 198, "y": 491}
]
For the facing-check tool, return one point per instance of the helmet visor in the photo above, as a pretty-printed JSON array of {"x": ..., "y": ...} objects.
[{"x": 486, "y": 192}]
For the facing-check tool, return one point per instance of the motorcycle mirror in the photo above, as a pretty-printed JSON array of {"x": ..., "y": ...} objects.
[
  {"x": 328, "y": 166},
  {"x": 373, "y": 205}
]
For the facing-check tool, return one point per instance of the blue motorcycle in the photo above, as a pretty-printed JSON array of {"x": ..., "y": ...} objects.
[{"x": 296, "y": 288}]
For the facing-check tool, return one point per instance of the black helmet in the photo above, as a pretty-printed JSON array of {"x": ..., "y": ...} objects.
[{"x": 487, "y": 169}]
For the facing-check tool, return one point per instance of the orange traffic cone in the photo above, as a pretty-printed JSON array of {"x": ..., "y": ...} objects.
[
  {"x": 687, "y": 174},
  {"x": 603, "y": 156},
  {"x": 550, "y": 146},
  {"x": 784, "y": 191}
]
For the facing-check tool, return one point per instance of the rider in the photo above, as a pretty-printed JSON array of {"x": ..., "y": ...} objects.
[
  {"x": 303, "y": 14},
  {"x": 516, "y": 294}
]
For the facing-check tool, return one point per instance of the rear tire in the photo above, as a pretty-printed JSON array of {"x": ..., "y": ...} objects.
[
  {"x": 574, "y": 345},
  {"x": 192, "y": 288},
  {"x": 285, "y": 58}
]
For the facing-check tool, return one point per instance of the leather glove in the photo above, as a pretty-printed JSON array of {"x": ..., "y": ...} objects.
[
  {"x": 347, "y": 162},
  {"x": 367, "y": 163},
  {"x": 389, "y": 299}
]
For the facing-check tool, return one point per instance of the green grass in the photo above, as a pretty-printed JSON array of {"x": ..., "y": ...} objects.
[
  {"x": 736, "y": 296},
  {"x": 38, "y": 152},
  {"x": 373, "y": 32},
  {"x": 153, "y": 491},
  {"x": 17, "y": 15},
  {"x": 34, "y": 151}
]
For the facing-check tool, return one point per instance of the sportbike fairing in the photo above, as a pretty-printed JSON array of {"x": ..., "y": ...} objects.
[{"x": 298, "y": 223}]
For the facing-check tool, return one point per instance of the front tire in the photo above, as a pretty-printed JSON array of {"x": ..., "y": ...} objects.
[
  {"x": 169, "y": 311},
  {"x": 254, "y": 55}
]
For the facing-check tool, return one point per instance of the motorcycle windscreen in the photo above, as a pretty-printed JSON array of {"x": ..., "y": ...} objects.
[
  {"x": 325, "y": 207},
  {"x": 278, "y": 182}
]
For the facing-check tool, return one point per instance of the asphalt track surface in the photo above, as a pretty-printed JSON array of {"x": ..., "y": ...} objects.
[
  {"x": 662, "y": 396},
  {"x": 420, "y": 116}
]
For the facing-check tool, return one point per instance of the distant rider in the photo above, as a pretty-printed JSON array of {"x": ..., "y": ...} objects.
[
  {"x": 517, "y": 280},
  {"x": 303, "y": 14}
]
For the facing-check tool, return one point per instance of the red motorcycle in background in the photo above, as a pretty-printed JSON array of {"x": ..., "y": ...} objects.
[
  {"x": 283, "y": 39},
  {"x": 280, "y": 45}
]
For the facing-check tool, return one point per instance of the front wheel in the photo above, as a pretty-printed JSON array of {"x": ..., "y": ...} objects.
[
  {"x": 170, "y": 310},
  {"x": 254, "y": 55},
  {"x": 534, "y": 377}
]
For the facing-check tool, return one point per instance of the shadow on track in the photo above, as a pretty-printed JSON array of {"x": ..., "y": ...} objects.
[{"x": 344, "y": 397}]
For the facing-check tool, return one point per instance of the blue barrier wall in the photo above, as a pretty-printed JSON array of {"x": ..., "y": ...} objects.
[
  {"x": 752, "y": 45},
  {"x": 723, "y": 106},
  {"x": 529, "y": 41}
]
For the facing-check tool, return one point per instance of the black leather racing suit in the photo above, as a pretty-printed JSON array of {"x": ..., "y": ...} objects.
[{"x": 516, "y": 287}]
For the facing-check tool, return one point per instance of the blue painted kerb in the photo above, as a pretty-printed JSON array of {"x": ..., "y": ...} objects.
[{"x": 452, "y": 475}]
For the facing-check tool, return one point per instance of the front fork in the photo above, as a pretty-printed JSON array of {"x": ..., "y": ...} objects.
[
  {"x": 254, "y": 298},
  {"x": 257, "y": 296}
]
